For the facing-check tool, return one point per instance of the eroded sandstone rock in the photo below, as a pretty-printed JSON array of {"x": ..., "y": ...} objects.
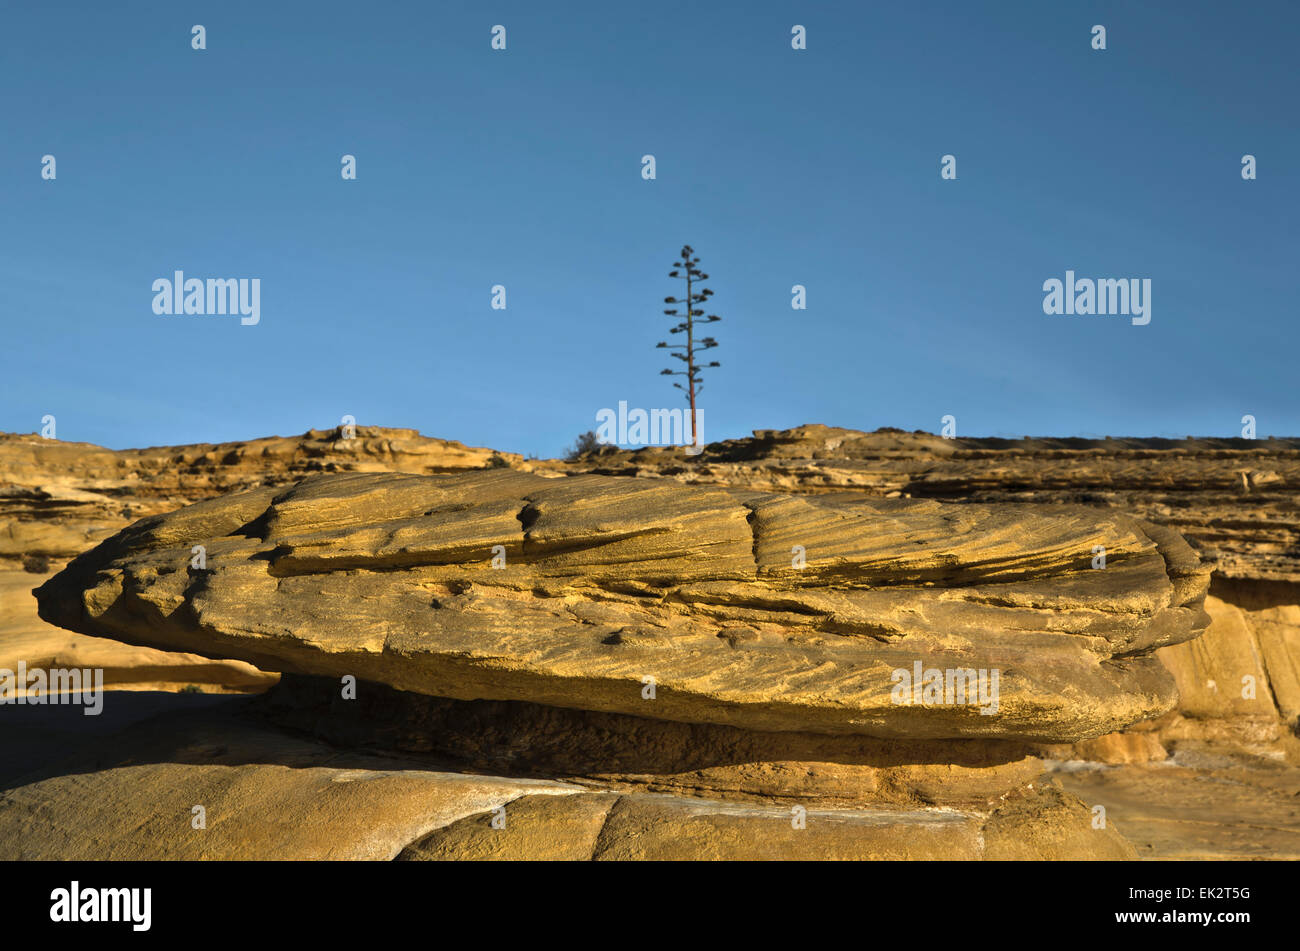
[
  {"x": 747, "y": 609},
  {"x": 268, "y": 795},
  {"x": 1234, "y": 499},
  {"x": 57, "y": 499},
  {"x": 1035, "y": 825},
  {"x": 264, "y": 796}
]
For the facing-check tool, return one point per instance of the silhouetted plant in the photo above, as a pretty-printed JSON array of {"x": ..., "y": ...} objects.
[{"x": 687, "y": 270}]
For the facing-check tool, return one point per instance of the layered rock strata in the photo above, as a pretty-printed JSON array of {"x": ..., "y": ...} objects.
[
  {"x": 58, "y": 499},
  {"x": 1220, "y": 784},
  {"x": 734, "y": 608}
]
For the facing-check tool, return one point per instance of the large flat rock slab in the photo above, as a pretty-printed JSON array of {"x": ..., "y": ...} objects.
[{"x": 651, "y": 598}]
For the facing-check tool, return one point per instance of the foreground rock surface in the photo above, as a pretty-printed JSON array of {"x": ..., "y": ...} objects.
[
  {"x": 1036, "y": 825},
  {"x": 268, "y": 795},
  {"x": 263, "y": 794},
  {"x": 602, "y": 585}
]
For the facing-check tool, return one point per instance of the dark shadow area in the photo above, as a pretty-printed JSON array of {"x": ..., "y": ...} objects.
[
  {"x": 38, "y": 737},
  {"x": 515, "y": 738},
  {"x": 304, "y": 723},
  {"x": 1254, "y": 594}
]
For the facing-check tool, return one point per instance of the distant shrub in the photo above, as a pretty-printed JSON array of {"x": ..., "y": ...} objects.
[
  {"x": 36, "y": 564},
  {"x": 497, "y": 461},
  {"x": 587, "y": 442}
]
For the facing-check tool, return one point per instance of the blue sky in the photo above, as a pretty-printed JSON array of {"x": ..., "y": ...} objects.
[{"x": 522, "y": 168}]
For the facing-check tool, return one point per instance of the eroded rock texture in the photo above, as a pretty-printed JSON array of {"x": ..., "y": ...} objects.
[
  {"x": 748, "y": 609},
  {"x": 582, "y": 763},
  {"x": 58, "y": 499},
  {"x": 1043, "y": 824},
  {"x": 1235, "y": 500}
]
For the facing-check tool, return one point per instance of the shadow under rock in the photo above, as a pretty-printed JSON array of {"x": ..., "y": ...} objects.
[
  {"x": 137, "y": 728},
  {"x": 516, "y": 738},
  {"x": 35, "y": 737},
  {"x": 303, "y": 723}
]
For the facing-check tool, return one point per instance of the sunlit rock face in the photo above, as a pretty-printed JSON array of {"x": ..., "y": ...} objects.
[{"x": 885, "y": 618}]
